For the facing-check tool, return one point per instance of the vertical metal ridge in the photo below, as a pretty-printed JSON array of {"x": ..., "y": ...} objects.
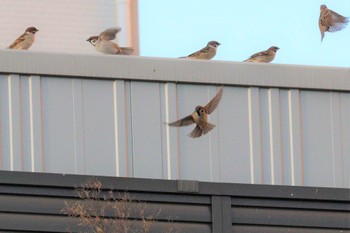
[
  {"x": 167, "y": 130},
  {"x": 75, "y": 127},
  {"x": 31, "y": 124},
  {"x": 21, "y": 121},
  {"x": 281, "y": 139},
  {"x": 42, "y": 126},
  {"x": 332, "y": 134},
  {"x": 296, "y": 137},
  {"x": 275, "y": 136},
  {"x": 218, "y": 126},
  {"x": 210, "y": 143},
  {"x": 116, "y": 136},
  {"x": 9, "y": 87},
  {"x": 291, "y": 132},
  {"x": 301, "y": 152},
  {"x": 1, "y": 137},
  {"x": 255, "y": 135},
  {"x": 337, "y": 138},
  {"x": 272, "y": 161},
  {"x": 177, "y": 132},
  {"x": 128, "y": 128},
  {"x": 251, "y": 149}
]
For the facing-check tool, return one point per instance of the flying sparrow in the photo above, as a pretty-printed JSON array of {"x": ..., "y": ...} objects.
[
  {"x": 208, "y": 52},
  {"x": 330, "y": 21},
  {"x": 25, "y": 40},
  {"x": 200, "y": 117},
  {"x": 104, "y": 44},
  {"x": 263, "y": 56}
]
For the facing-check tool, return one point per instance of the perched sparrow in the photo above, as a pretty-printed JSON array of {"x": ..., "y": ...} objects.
[
  {"x": 104, "y": 44},
  {"x": 200, "y": 117},
  {"x": 264, "y": 56},
  {"x": 25, "y": 40},
  {"x": 208, "y": 52},
  {"x": 330, "y": 21}
]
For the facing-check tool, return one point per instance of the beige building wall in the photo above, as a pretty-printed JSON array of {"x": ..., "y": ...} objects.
[{"x": 65, "y": 25}]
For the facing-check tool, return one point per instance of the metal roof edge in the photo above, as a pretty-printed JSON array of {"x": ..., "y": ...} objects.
[{"x": 214, "y": 72}]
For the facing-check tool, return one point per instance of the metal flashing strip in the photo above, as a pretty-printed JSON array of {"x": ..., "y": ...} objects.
[{"x": 174, "y": 70}]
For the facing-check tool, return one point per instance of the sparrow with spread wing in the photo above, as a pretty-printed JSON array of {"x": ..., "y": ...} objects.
[
  {"x": 330, "y": 21},
  {"x": 25, "y": 40},
  {"x": 104, "y": 44},
  {"x": 208, "y": 52},
  {"x": 263, "y": 56},
  {"x": 200, "y": 117}
]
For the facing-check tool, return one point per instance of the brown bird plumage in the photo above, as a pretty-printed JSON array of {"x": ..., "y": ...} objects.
[
  {"x": 104, "y": 44},
  {"x": 200, "y": 117},
  {"x": 330, "y": 21},
  {"x": 264, "y": 56},
  {"x": 25, "y": 40},
  {"x": 208, "y": 52}
]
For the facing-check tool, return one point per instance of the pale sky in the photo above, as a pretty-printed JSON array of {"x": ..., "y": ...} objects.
[{"x": 174, "y": 28}]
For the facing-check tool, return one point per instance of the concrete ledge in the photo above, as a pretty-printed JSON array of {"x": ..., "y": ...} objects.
[{"x": 174, "y": 70}]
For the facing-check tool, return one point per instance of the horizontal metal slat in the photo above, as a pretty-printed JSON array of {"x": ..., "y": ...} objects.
[
  {"x": 280, "y": 229},
  {"x": 42, "y": 223},
  {"x": 54, "y": 206},
  {"x": 291, "y": 217},
  {"x": 295, "y": 204}
]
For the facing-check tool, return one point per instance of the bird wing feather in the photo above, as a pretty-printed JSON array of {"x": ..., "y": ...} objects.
[
  {"x": 17, "y": 41},
  {"x": 203, "y": 50},
  {"x": 110, "y": 33},
  {"x": 210, "y": 107},
  {"x": 183, "y": 122},
  {"x": 337, "y": 22}
]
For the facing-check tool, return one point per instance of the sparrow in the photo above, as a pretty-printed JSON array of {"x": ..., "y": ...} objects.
[
  {"x": 208, "y": 52},
  {"x": 25, "y": 40},
  {"x": 330, "y": 21},
  {"x": 104, "y": 44},
  {"x": 200, "y": 117},
  {"x": 263, "y": 56}
]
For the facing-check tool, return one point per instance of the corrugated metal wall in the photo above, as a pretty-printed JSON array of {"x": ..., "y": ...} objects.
[
  {"x": 31, "y": 202},
  {"x": 104, "y": 115}
]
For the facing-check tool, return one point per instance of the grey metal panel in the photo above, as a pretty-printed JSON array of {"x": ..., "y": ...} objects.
[
  {"x": 4, "y": 122},
  {"x": 146, "y": 130},
  {"x": 58, "y": 127},
  {"x": 89, "y": 121},
  {"x": 99, "y": 127},
  {"x": 234, "y": 135},
  {"x": 78, "y": 125},
  {"x": 255, "y": 135},
  {"x": 193, "y": 152},
  {"x": 292, "y": 137},
  {"x": 170, "y": 150},
  {"x": 345, "y": 134},
  {"x": 31, "y": 125},
  {"x": 121, "y": 134},
  {"x": 318, "y": 151},
  {"x": 11, "y": 123},
  {"x": 26, "y": 122},
  {"x": 275, "y": 135}
]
